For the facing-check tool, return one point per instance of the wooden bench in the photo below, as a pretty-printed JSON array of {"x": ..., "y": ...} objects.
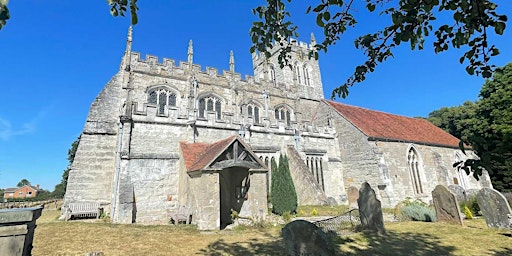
[
  {"x": 84, "y": 209},
  {"x": 183, "y": 214}
]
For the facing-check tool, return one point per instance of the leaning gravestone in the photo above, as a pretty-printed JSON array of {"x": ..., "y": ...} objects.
[
  {"x": 494, "y": 207},
  {"x": 353, "y": 195},
  {"x": 447, "y": 207},
  {"x": 305, "y": 238},
  {"x": 370, "y": 210},
  {"x": 17, "y": 230}
]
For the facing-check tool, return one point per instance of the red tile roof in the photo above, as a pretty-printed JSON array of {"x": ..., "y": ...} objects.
[
  {"x": 380, "y": 125},
  {"x": 199, "y": 155}
]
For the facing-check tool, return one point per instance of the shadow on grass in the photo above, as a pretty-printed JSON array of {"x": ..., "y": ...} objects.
[
  {"x": 503, "y": 252},
  {"x": 393, "y": 243},
  {"x": 270, "y": 246}
]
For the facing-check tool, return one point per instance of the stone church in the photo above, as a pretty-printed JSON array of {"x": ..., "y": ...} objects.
[{"x": 161, "y": 135}]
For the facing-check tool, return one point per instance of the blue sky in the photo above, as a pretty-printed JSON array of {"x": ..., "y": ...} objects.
[{"x": 56, "y": 56}]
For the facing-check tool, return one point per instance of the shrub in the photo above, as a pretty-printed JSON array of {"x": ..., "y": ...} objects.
[
  {"x": 468, "y": 213},
  {"x": 415, "y": 210},
  {"x": 287, "y": 216},
  {"x": 314, "y": 212},
  {"x": 472, "y": 204}
]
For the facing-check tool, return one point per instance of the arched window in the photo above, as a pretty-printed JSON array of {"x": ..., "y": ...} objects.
[
  {"x": 282, "y": 113},
  {"x": 298, "y": 77},
  {"x": 306, "y": 75},
  {"x": 162, "y": 98},
  {"x": 272, "y": 72},
  {"x": 254, "y": 112},
  {"x": 413, "y": 162},
  {"x": 210, "y": 103}
]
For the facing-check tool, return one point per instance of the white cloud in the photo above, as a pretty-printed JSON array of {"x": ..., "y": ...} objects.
[{"x": 7, "y": 130}]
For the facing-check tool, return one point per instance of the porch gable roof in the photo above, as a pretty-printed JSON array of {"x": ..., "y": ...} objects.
[{"x": 198, "y": 156}]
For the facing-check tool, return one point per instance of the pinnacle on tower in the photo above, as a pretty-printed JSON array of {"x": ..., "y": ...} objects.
[
  {"x": 313, "y": 40},
  {"x": 190, "y": 52},
  {"x": 126, "y": 60},
  {"x": 231, "y": 62}
]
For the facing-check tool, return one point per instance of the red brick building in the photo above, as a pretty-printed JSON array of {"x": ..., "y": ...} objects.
[{"x": 22, "y": 192}]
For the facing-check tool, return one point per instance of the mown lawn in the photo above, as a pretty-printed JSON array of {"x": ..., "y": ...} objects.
[{"x": 54, "y": 237}]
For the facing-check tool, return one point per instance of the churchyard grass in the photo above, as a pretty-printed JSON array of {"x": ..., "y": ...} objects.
[{"x": 54, "y": 237}]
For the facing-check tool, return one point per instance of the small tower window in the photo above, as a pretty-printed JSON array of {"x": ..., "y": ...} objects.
[
  {"x": 306, "y": 75},
  {"x": 283, "y": 114},
  {"x": 210, "y": 103},
  {"x": 162, "y": 98},
  {"x": 297, "y": 73},
  {"x": 254, "y": 112}
]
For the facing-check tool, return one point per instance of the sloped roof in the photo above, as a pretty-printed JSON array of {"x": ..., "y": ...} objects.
[
  {"x": 199, "y": 155},
  {"x": 384, "y": 126},
  {"x": 10, "y": 190}
]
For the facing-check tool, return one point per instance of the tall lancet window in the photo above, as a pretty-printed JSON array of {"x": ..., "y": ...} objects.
[
  {"x": 413, "y": 162},
  {"x": 298, "y": 77},
  {"x": 306, "y": 75},
  {"x": 162, "y": 98},
  {"x": 210, "y": 104}
]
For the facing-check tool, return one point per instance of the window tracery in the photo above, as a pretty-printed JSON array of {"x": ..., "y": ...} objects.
[
  {"x": 413, "y": 162},
  {"x": 210, "y": 103},
  {"x": 162, "y": 98}
]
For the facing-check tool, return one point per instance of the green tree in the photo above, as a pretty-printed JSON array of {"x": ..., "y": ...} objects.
[
  {"x": 455, "y": 120},
  {"x": 486, "y": 125},
  {"x": 283, "y": 194},
  {"x": 492, "y": 134},
  {"x": 468, "y": 24},
  {"x": 60, "y": 189},
  {"x": 22, "y": 183}
]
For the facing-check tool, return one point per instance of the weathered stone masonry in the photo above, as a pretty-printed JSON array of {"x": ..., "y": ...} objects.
[{"x": 129, "y": 157}]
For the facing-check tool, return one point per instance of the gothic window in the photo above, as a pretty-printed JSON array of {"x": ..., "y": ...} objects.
[
  {"x": 210, "y": 103},
  {"x": 306, "y": 74},
  {"x": 414, "y": 170},
  {"x": 254, "y": 112},
  {"x": 282, "y": 113},
  {"x": 298, "y": 77},
  {"x": 162, "y": 98},
  {"x": 272, "y": 72}
]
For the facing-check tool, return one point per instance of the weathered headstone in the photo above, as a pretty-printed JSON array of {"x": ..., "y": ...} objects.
[
  {"x": 494, "y": 207},
  {"x": 446, "y": 204},
  {"x": 370, "y": 210},
  {"x": 459, "y": 192},
  {"x": 353, "y": 195},
  {"x": 304, "y": 238},
  {"x": 17, "y": 230}
]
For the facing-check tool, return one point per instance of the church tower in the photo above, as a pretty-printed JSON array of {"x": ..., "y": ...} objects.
[{"x": 303, "y": 75}]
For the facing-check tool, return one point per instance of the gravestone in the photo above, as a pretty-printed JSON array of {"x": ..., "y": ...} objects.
[
  {"x": 494, "y": 207},
  {"x": 446, "y": 204},
  {"x": 305, "y": 238},
  {"x": 17, "y": 230},
  {"x": 459, "y": 192},
  {"x": 353, "y": 195},
  {"x": 370, "y": 210}
]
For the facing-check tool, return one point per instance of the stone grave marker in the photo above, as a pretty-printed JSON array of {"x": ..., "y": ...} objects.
[
  {"x": 353, "y": 195},
  {"x": 494, "y": 207},
  {"x": 370, "y": 210},
  {"x": 17, "y": 228},
  {"x": 458, "y": 191},
  {"x": 446, "y": 204},
  {"x": 305, "y": 238}
]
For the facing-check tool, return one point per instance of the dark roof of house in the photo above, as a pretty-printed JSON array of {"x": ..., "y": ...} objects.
[
  {"x": 9, "y": 190},
  {"x": 199, "y": 155},
  {"x": 383, "y": 126}
]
